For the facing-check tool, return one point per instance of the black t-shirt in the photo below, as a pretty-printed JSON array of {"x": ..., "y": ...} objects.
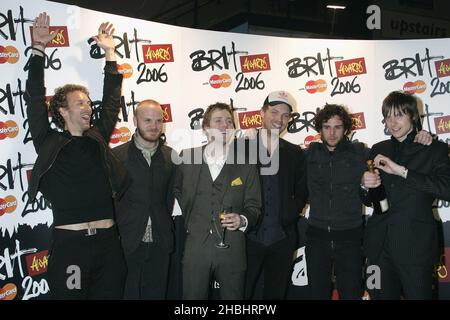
[{"x": 77, "y": 184}]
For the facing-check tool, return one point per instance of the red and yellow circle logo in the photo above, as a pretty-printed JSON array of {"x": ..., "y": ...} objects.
[
  {"x": 220, "y": 81},
  {"x": 8, "y": 292},
  {"x": 8, "y": 205},
  {"x": 8, "y": 129},
  {"x": 8, "y": 54},
  {"x": 417, "y": 86},
  {"x": 122, "y": 134},
  {"x": 313, "y": 86},
  {"x": 126, "y": 69},
  {"x": 310, "y": 139}
]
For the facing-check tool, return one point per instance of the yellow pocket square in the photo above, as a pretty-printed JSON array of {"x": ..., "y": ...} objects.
[{"x": 236, "y": 182}]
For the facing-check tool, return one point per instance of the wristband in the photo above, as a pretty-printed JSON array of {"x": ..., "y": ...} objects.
[
  {"x": 364, "y": 188},
  {"x": 39, "y": 43},
  {"x": 405, "y": 173}
]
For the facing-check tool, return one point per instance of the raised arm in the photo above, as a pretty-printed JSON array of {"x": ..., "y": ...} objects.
[
  {"x": 41, "y": 34},
  {"x": 35, "y": 90},
  {"x": 105, "y": 40},
  {"x": 112, "y": 84}
]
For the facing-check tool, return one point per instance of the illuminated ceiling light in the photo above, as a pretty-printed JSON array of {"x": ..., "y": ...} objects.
[{"x": 336, "y": 7}]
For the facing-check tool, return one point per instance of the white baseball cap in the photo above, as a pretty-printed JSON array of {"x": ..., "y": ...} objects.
[{"x": 280, "y": 96}]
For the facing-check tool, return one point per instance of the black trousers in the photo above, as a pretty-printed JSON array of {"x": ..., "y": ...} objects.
[
  {"x": 346, "y": 257},
  {"x": 86, "y": 267},
  {"x": 399, "y": 280},
  {"x": 270, "y": 264},
  {"x": 148, "y": 269}
]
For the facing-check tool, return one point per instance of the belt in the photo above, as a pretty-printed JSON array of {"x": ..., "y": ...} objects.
[{"x": 91, "y": 228}]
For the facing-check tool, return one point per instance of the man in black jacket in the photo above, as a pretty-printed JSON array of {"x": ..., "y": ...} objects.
[
  {"x": 76, "y": 171},
  {"x": 144, "y": 212},
  {"x": 335, "y": 223},
  {"x": 403, "y": 241},
  {"x": 281, "y": 164}
]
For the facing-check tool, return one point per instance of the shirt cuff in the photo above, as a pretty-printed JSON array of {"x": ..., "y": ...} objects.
[{"x": 244, "y": 227}]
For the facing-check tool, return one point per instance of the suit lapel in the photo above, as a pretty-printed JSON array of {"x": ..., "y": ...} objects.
[{"x": 282, "y": 166}]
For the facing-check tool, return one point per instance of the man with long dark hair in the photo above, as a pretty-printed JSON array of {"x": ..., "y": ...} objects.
[{"x": 403, "y": 242}]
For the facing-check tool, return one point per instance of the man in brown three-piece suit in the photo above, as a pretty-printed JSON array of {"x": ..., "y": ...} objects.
[{"x": 208, "y": 182}]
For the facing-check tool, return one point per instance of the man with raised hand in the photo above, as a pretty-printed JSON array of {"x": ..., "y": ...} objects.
[{"x": 76, "y": 171}]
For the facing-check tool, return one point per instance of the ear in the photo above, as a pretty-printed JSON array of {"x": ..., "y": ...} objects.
[
  {"x": 63, "y": 112},
  {"x": 135, "y": 120}
]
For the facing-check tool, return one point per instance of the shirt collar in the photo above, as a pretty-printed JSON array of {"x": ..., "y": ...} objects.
[{"x": 149, "y": 151}]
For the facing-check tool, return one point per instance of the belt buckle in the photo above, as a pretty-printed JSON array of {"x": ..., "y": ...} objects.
[{"x": 91, "y": 232}]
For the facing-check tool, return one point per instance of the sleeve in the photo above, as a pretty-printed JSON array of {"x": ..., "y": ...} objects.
[
  {"x": 177, "y": 180},
  {"x": 437, "y": 182},
  {"x": 364, "y": 195},
  {"x": 252, "y": 198},
  {"x": 170, "y": 197},
  {"x": 110, "y": 107},
  {"x": 301, "y": 189},
  {"x": 34, "y": 96}
]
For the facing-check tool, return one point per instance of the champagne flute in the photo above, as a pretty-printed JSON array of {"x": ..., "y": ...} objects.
[{"x": 222, "y": 244}]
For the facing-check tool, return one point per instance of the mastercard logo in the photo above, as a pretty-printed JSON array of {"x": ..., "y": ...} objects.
[
  {"x": 125, "y": 69},
  {"x": 310, "y": 139},
  {"x": 220, "y": 81},
  {"x": 313, "y": 86},
  {"x": 8, "y": 205},
  {"x": 122, "y": 134},
  {"x": 8, "y": 54},
  {"x": 8, "y": 292},
  {"x": 8, "y": 129},
  {"x": 414, "y": 87}
]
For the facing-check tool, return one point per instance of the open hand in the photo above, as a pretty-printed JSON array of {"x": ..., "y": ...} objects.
[
  {"x": 104, "y": 38},
  {"x": 41, "y": 30}
]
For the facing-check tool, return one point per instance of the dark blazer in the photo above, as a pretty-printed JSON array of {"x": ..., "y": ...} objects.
[
  {"x": 150, "y": 194},
  {"x": 293, "y": 192},
  {"x": 244, "y": 198},
  {"x": 409, "y": 228}
]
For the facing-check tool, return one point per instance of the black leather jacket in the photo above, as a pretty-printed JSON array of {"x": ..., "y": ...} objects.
[{"x": 49, "y": 142}]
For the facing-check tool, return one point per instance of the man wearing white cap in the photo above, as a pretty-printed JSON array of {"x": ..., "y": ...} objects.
[{"x": 271, "y": 244}]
